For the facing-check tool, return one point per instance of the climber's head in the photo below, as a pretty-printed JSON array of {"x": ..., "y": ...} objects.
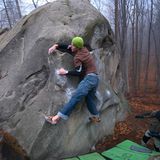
[{"x": 77, "y": 43}]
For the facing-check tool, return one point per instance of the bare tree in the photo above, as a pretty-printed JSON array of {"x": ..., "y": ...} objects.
[
  {"x": 123, "y": 40},
  {"x": 141, "y": 37},
  {"x": 34, "y": 3},
  {"x": 12, "y": 12},
  {"x": 6, "y": 10},
  {"x": 149, "y": 47},
  {"x": 18, "y": 8},
  {"x": 116, "y": 20}
]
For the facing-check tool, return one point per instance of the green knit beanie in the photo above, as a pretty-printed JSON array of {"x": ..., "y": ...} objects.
[{"x": 78, "y": 42}]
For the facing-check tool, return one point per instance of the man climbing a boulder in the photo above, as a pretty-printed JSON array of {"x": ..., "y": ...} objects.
[{"x": 85, "y": 67}]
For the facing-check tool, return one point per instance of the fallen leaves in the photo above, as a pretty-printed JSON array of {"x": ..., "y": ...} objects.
[
  {"x": 122, "y": 128},
  {"x": 132, "y": 128}
]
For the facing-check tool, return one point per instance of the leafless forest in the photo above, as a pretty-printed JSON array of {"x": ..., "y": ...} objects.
[{"x": 136, "y": 24}]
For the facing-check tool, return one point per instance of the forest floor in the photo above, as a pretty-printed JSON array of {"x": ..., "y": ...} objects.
[{"x": 132, "y": 128}]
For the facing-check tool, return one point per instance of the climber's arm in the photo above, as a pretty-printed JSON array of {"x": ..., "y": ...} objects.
[
  {"x": 61, "y": 47},
  {"x": 76, "y": 72}
]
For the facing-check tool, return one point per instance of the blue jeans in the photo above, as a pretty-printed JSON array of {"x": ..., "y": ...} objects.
[{"x": 86, "y": 88}]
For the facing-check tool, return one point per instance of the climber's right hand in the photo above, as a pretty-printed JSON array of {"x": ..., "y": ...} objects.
[{"x": 52, "y": 49}]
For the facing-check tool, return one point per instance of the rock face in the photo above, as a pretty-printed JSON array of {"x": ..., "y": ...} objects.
[{"x": 30, "y": 86}]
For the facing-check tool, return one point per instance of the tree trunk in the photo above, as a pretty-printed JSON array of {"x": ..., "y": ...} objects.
[
  {"x": 140, "y": 45},
  {"x": 6, "y": 10},
  {"x": 149, "y": 48},
  {"x": 157, "y": 63},
  {"x": 35, "y": 6},
  {"x": 18, "y": 8},
  {"x": 133, "y": 72},
  {"x": 116, "y": 20},
  {"x": 136, "y": 46}
]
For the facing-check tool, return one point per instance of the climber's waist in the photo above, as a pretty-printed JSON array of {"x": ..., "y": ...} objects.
[{"x": 92, "y": 74}]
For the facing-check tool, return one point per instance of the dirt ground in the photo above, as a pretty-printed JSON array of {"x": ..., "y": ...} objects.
[{"x": 132, "y": 128}]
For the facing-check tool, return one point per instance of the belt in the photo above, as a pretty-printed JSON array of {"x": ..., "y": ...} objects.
[{"x": 92, "y": 74}]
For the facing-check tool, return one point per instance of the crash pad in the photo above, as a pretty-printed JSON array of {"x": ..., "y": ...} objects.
[
  {"x": 129, "y": 150},
  {"x": 71, "y": 159},
  {"x": 91, "y": 156},
  {"x": 119, "y": 154},
  {"x": 136, "y": 148}
]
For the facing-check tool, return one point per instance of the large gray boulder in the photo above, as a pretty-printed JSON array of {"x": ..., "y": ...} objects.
[{"x": 30, "y": 86}]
